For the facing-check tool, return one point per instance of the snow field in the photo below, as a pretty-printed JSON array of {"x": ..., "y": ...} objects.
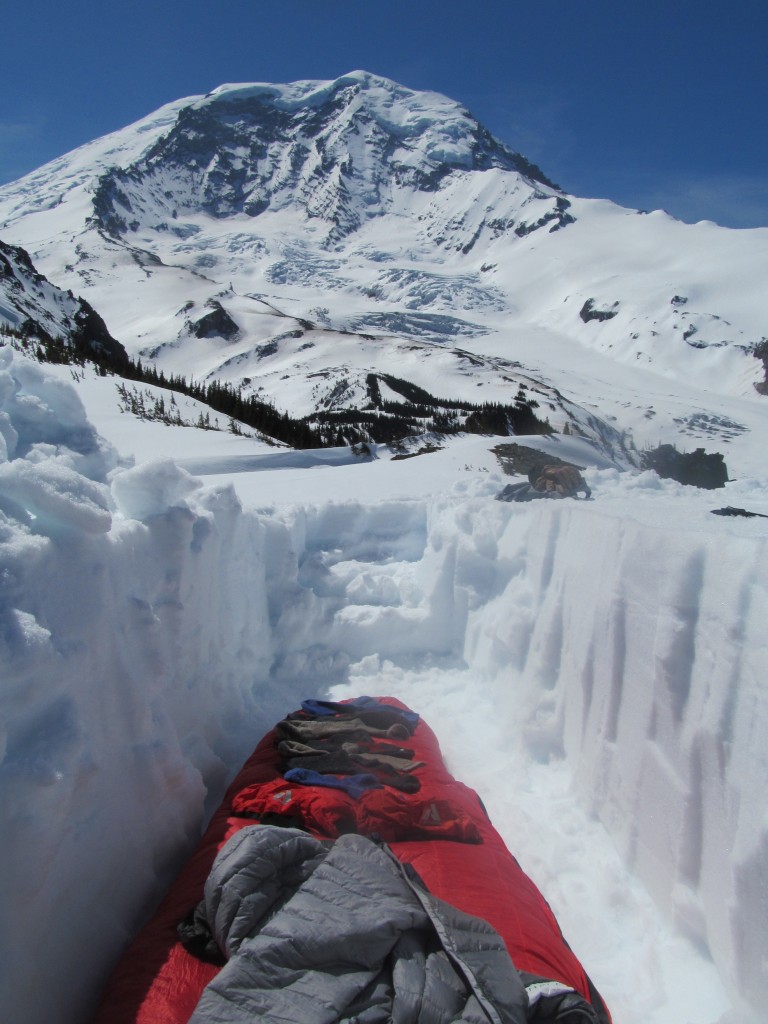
[{"x": 593, "y": 669}]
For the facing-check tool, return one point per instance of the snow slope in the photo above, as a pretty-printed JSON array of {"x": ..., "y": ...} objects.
[{"x": 605, "y": 656}]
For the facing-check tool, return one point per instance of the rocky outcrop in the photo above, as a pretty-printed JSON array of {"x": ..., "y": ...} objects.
[
  {"x": 589, "y": 311},
  {"x": 37, "y": 309},
  {"x": 697, "y": 469},
  {"x": 216, "y": 324}
]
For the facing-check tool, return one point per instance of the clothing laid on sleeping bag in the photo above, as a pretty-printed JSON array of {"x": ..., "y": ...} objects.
[
  {"x": 440, "y": 832},
  {"x": 336, "y": 740},
  {"x": 386, "y": 757},
  {"x": 388, "y": 814},
  {"x": 355, "y": 785},
  {"x": 307, "y": 730},
  {"x": 371, "y": 710},
  {"x": 319, "y": 936}
]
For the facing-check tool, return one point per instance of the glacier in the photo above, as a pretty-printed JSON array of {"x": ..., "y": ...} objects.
[{"x": 593, "y": 668}]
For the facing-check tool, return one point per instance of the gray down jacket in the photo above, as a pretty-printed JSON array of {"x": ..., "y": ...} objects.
[{"x": 319, "y": 934}]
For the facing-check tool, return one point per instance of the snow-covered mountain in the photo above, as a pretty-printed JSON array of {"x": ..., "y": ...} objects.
[{"x": 296, "y": 239}]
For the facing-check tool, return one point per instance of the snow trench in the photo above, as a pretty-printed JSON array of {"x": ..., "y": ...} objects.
[{"x": 142, "y": 661}]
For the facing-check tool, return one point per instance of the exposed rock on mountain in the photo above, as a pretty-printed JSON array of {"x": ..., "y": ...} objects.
[
  {"x": 340, "y": 152},
  {"x": 34, "y": 308},
  {"x": 217, "y": 323}
]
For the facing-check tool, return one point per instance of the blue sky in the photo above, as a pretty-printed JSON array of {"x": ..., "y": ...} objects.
[{"x": 651, "y": 104}]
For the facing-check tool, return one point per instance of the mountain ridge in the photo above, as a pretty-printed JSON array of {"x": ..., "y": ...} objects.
[{"x": 35, "y": 309}]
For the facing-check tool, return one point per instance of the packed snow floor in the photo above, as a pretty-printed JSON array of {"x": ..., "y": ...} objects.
[{"x": 593, "y": 668}]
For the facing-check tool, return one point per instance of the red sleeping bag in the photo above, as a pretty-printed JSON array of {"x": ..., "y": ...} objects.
[{"x": 441, "y": 829}]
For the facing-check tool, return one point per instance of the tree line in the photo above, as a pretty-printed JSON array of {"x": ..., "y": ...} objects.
[{"x": 381, "y": 421}]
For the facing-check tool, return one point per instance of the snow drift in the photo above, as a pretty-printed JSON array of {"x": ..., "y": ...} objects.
[{"x": 153, "y": 629}]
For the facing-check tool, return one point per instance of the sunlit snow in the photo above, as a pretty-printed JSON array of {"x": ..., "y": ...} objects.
[{"x": 593, "y": 668}]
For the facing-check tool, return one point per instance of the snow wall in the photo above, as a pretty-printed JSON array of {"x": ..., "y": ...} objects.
[{"x": 152, "y": 630}]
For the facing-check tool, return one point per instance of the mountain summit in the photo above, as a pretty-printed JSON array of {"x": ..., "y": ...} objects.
[{"x": 340, "y": 152}]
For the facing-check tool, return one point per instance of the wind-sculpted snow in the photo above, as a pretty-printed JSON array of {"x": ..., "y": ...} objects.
[
  {"x": 642, "y": 665},
  {"x": 579, "y": 660},
  {"x": 42, "y": 418}
]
